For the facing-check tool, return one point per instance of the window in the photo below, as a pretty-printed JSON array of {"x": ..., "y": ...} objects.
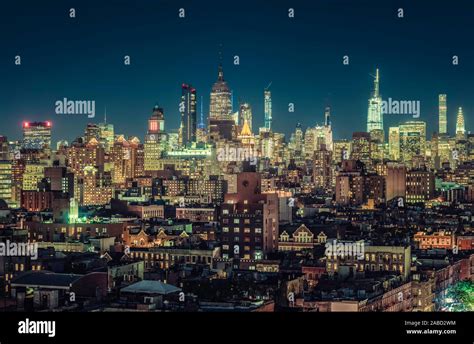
[{"x": 236, "y": 221}]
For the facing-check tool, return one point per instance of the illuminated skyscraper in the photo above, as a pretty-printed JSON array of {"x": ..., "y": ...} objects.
[
  {"x": 92, "y": 132},
  {"x": 460, "y": 129},
  {"x": 188, "y": 114},
  {"x": 221, "y": 104},
  {"x": 221, "y": 122},
  {"x": 412, "y": 140},
  {"x": 322, "y": 168},
  {"x": 394, "y": 143},
  {"x": 36, "y": 135},
  {"x": 342, "y": 150},
  {"x": 268, "y": 108},
  {"x": 106, "y": 133},
  {"x": 245, "y": 115},
  {"x": 327, "y": 116},
  {"x": 6, "y": 182},
  {"x": 154, "y": 140},
  {"x": 443, "y": 122},
  {"x": 374, "y": 115},
  {"x": 4, "y": 155},
  {"x": 361, "y": 148}
]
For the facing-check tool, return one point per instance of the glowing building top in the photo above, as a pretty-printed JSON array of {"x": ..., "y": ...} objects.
[
  {"x": 460, "y": 129},
  {"x": 374, "y": 115},
  {"x": 221, "y": 104}
]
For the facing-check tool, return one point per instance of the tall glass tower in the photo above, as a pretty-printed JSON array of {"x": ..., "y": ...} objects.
[
  {"x": 268, "y": 109},
  {"x": 460, "y": 129},
  {"x": 188, "y": 114},
  {"x": 443, "y": 120},
  {"x": 374, "y": 115}
]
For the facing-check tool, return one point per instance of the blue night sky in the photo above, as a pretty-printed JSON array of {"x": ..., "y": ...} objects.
[{"x": 82, "y": 59}]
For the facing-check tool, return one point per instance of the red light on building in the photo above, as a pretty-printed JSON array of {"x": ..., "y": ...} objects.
[
  {"x": 48, "y": 123},
  {"x": 26, "y": 124}
]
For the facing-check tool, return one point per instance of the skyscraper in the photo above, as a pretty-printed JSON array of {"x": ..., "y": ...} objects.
[
  {"x": 106, "y": 133},
  {"x": 268, "y": 108},
  {"x": 361, "y": 148},
  {"x": 245, "y": 115},
  {"x": 36, "y": 135},
  {"x": 4, "y": 154},
  {"x": 188, "y": 114},
  {"x": 154, "y": 139},
  {"x": 443, "y": 122},
  {"x": 221, "y": 105},
  {"x": 460, "y": 129},
  {"x": 221, "y": 122},
  {"x": 374, "y": 115},
  {"x": 394, "y": 143},
  {"x": 327, "y": 116},
  {"x": 412, "y": 140},
  {"x": 6, "y": 182}
]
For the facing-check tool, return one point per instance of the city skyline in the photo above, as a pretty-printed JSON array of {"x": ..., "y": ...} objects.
[{"x": 130, "y": 91}]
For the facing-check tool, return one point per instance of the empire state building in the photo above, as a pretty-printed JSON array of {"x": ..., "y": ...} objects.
[
  {"x": 221, "y": 104},
  {"x": 221, "y": 123}
]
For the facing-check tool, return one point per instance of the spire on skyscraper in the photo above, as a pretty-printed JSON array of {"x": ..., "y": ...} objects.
[
  {"x": 376, "y": 84},
  {"x": 268, "y": 107},
  {"x": 460, "y": 128},
  {"x": 374, "y": 114},
  {"x": 201, "y": 124},
  {"x": 327, "y": 116}
]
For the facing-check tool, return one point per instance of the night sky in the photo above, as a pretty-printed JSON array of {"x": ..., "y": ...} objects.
[{"x": 82, "y": 59}]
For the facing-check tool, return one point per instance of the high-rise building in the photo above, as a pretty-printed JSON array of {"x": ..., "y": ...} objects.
[
  {"x": 268, "y": 109},
  {"x": 34, "y": 173},
  {"x": 92, "y": 132},
  {"x": 154, "y": 140},
  {"x": 80, "y": 155},
  {"x": 374, "y": 115},
  {"x": 106, "y": 134},
  {"x": 221, "y": 122},
  {"x": 395, "y": 180},
  {"x": 37, "y": 135},
  {"x": 350, "y": 183},
  {"x": 443, "y": 120},
  {"x": 4, "y": 151},
  {"x": 245, "y": 115},
  {"x": 6, "y": 181},
  {"x": 394, "y": 143},
  {"x": 96, "y": 188},
  {"x": 420, "y": 186},
  {"x": 327, "y": 116},
  {"x": 412, "y": 140},
  {"x": 221, "y": 105},
  {"x": 361, "y": 148},
  {"x": 201, "y": 131},
  {"x": 188, "y": 114},
  {"x": 342, "y": 150},
  {"x": 249, "y": 220},
  {"x": 460, "y": 128},
  {"x": 322, "y": 168}
]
